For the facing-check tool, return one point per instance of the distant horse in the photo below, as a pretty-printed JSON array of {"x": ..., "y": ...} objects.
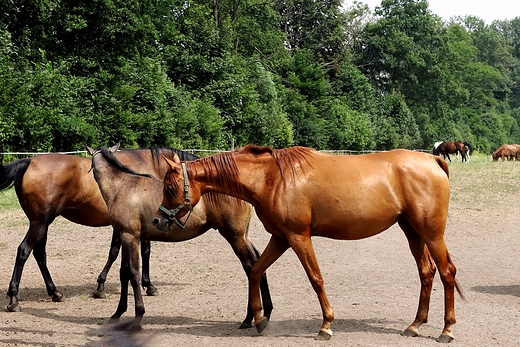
[
  {"x": 132, "y": 199},
  {"x": 509, "y": 152},
  {"x": 447, "y": 148},
  {"x": 50, "y": 185},
  {"x": 299, "y": 192}
]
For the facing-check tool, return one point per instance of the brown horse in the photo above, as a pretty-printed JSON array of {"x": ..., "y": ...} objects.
[
  {"x": 299, "y": 192},
  {"x": 447, "y": 148},
  {"x": 509, "y": 152},
  {"x": 132, "y": 199},
  {"x": 50, "y": 185}
]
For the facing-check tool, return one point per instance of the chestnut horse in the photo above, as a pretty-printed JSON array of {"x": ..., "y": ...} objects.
[
  {"x": 447, "y": 148},
  {"x": 509, "y": 152},
  {"x": 299, "y": 192},
  {"x": 52, "y": 185},
  {"x": 132, "y": 199}
]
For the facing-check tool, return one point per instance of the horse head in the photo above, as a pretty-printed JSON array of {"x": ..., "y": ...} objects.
[{"x": 179, "y": 197}]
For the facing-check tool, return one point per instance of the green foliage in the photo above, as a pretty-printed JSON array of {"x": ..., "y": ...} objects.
[{"x": 201, "y": 74}]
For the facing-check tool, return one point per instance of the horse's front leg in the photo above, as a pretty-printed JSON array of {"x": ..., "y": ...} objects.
[
  {"x": 302, "y": 246},
  {"x": 130, "y": 248},
  {"x": 274, "y": 249}
]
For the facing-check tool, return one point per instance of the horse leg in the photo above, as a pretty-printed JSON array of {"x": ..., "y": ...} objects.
[
  {"x": 248, "y": 255},
  {"x": 130, "y": 245},
  {"x": 115, "y": 245},
  {"x": 447, "y": 271},
  {"x": 302, "y": 246},
  {"x": 34, "y": 235},
  {"x": 40, "y": 255},
  {"x": 145, "y": 281},
  {"x": 274, "y": 250},
  {"x": 124, "y": 278},
  {"x": 427, "y": 270}
]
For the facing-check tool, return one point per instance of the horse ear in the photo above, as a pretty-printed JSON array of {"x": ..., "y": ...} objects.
[
  {"x": 114, "y": 148},
  {"x": 171, "y": 163},
  {"x": 90, "y": 150}
]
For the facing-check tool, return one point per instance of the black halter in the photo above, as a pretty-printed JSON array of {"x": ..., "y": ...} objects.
[{"x": 170, "y": 214}]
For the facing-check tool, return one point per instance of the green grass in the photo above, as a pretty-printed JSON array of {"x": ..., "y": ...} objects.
[
  {"x": 481, "y": 182},
  {"x": 9, "y": 200}
]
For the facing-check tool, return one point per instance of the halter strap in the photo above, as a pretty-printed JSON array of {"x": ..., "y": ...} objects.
[{"x": 170, "y": 214}]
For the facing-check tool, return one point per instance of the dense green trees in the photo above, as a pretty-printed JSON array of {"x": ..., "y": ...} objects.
[{"x": 200, "y": 73}]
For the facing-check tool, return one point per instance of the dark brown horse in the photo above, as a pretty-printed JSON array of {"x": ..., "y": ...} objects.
[
  {"x": 447, "y": 148},
  {"x": 299, "y": 192},
  {"x": 132, "y": 199},
  {"x": 50, "y": 185}
]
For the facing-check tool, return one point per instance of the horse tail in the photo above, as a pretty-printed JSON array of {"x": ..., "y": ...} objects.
[
  {"x": 443, "y": 165},
  {"x": 12, "y": 174}
]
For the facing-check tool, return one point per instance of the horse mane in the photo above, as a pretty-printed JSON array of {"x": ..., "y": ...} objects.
[
  {"x": 286, "y": 159},
  {"x": 112, "y": 160},
  {"x": 158, "y": 151}
]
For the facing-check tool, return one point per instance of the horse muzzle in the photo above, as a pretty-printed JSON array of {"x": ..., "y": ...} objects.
[{"x": 171, "y": 216}]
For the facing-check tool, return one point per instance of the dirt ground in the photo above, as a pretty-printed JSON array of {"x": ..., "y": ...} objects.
[{"x": 372, "y": 284}]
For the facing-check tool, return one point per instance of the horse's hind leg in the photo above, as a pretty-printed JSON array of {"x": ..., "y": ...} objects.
[
  {"x": 36, "y": 233},
  {"x": 427, "y": 270},
  {"x": 115, "y": 245},
  {"x": 248, "y": 255},
  {"x": 40, "y": 255},
  {"x": 145, "y": 280}
]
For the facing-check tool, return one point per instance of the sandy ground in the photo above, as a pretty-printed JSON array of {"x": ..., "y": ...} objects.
[{"x": 372, "y": 284}]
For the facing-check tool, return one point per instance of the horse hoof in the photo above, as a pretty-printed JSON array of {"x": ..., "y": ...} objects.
[
  {"x": 445, "y": 338},
  {"x": 324, "y": 335},
  {"x": 262, "y": 325},
  {"x": 14, "y": 308},
  {"x": 152, "y": 291},
  {"x": 134, "y": 327},
  {"x": 58, "y": 297},
  {"x": 410, "y": 332},
  {"x": 245, "y": 325},
  {"x": 99, "y": 294}
]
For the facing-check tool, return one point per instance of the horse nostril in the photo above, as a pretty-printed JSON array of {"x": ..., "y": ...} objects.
[{"x": 155, "y": 221}]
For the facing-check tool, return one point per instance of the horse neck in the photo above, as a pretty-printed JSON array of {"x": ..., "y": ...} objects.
[{"x": 247, "y": 182}]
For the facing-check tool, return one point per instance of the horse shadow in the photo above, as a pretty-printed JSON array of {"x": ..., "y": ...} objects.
[{"x": 513, "y": 290}]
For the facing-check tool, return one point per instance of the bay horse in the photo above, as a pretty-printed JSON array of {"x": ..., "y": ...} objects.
[
  {"x": 447, "y": 148},
  {"x": 299, "y": 192},
  {"x": 52, "y": 185},
  {"x": 132, "y": 199}
]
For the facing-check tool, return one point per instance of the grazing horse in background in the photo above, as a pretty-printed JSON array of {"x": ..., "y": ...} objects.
[
  {"x": 299, "y": 193},
  {"x": 52, "y": 185},
  {"x": 132, "y": 200},
  {"x": 447, "y": 148},
  {"x": 509, "y": 152}
]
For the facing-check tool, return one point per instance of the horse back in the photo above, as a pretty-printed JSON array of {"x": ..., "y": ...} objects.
[
  {"x": 60, "y": 184},
  {"x": 349, "y": 191}
]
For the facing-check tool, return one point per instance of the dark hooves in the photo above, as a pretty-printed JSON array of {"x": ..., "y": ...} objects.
[
  {"x": 98, "y": 294},
  {"x": 262, "y": 325},
  {"x": 323, "y": 336},
  {"x": 58, "y": 297},
  {"x": 152, "y": 291},
  {"x": 409, "y": 332},
  {"x": 445, "y": 338},
  {"x": 14, "y": 308},
  {"x": 245, "y": 325}
]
